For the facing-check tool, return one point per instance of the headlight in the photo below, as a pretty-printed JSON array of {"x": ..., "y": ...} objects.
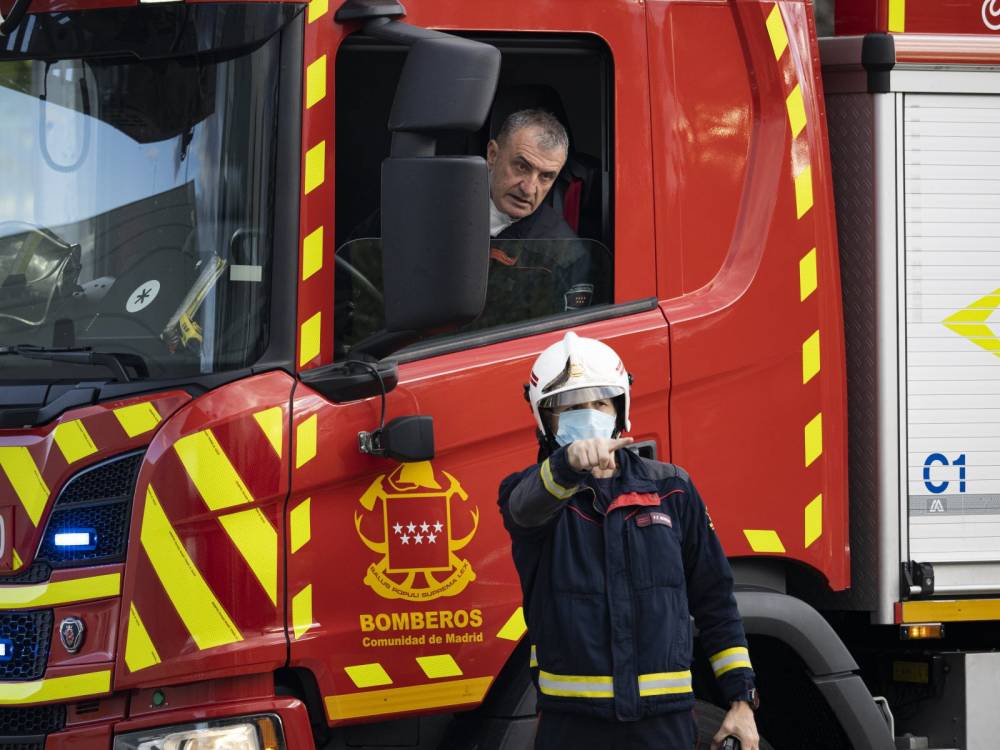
[{"x": 242, "y": 733}]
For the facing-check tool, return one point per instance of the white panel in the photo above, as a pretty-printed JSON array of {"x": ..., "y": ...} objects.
[{"x": 952, "y": 260}]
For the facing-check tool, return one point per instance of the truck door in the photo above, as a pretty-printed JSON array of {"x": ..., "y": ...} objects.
[{"x": 402, "y": 596}]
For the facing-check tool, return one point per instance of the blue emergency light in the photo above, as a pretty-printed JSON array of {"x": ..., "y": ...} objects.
[{"x": 75, "y": 539}]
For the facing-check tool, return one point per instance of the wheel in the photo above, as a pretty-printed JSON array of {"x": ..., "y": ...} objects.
[{"x": 709, "y": 718}]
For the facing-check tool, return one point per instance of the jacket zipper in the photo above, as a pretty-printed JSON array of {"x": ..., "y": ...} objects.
[{"x": 631, "y": 594}]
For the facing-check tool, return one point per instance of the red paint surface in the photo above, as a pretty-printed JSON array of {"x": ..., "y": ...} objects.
[{"x": 921, "y": 16}]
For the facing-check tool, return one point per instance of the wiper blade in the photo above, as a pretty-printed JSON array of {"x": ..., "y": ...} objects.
[{"x": 84, "y": 355}]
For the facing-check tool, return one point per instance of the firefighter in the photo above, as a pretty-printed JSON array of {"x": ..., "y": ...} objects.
[{"x": 614, "y": 553}]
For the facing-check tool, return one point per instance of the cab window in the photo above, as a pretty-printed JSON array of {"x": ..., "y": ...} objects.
[{"x": 534, "y": 273}]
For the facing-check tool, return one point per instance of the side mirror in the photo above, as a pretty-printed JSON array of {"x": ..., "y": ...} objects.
[
  {"x": 403, "y": 439},
  {"x": 435, "y": 241}
]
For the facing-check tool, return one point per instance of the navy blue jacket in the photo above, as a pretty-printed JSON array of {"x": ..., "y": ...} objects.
[{"x": 611, "y": 571}]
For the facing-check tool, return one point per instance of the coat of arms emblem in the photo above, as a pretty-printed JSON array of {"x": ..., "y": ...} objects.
[{"x": 419, "y": 560}]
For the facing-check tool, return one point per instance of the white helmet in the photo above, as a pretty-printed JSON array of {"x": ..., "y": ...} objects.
[{"x": 576, "y": 370}]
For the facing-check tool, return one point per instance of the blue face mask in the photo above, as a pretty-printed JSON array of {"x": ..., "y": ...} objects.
[{"x": 581, "y": 424}]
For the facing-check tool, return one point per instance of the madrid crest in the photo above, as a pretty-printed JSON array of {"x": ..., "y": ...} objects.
[{"x": 418, "y": 548}]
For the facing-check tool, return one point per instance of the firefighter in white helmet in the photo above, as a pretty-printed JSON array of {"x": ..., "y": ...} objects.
[{"x": 615, "y": 553}]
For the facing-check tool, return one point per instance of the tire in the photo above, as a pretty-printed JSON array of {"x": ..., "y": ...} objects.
[{"x": 709, "y": 718}]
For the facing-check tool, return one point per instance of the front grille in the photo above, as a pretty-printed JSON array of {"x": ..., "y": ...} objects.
[
  {"x": 97, "y": 501},
  {"x": 36, "y": 745},
  {"x": 114, "y": 478},
  {"x": 31, "y": 721},
  {"x": 34, "y": 573},
  {"x": 26, "y": 637}
]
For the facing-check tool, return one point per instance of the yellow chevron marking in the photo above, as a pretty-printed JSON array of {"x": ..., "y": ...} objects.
[
  {"x": 316, "y": 81},
  {"x": 368, "y": 675},
  {"x": 796, "y": 107},
  {"x": 315, "y": 171},
  {"x": 55, "y": 593},
  {"x": 318, "y": 9},
  {"x": 299, "y": 526},
  {"x": 55, "y": 688},
  {"x": 803, "y": 192},
  {"x": 776, "y": 30},
  {"x": 138, "y": 418},
  {"x": 309, "y": 339},
  {"x": 439, "y": 665},
  {"x": 140, "y": 652},
  {"x": 764, "y": 540},
  {"x": 272, "y": 422},
  {"x": 813, "y": 438},
  {"x": 16, "y": 559},
  {"x": 203, "y": 615},
  {"x": 74, "y": 441},
  {"x": 414, "y": 698},
  {"x": 211, "y": 472},
  {"x": 897, "y": 16},
  {"x": 814, "y": 520},
  {"x": 312, "y": 253},
  {"x": 305, "y": 441},
  {"x": 515, "y": 626},
  {"x": 810, "y": 358},
  {"x": 970, "y": 322},
  {"x": 808, "y": 279},
  {"x": 302, "y": 612},
  {"x": 254, "y": 536},
  {"x": 24, "y": 477}
]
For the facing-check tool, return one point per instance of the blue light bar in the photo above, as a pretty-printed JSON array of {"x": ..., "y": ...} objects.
[{"x": 76, "y": 539}]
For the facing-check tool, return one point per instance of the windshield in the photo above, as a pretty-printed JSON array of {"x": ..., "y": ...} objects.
[
  {"x": 136, "y": 194},
  {"x": 528, "y": 280}
]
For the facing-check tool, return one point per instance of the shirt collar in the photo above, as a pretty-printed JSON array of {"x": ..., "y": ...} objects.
[{"x": 499, "y": 221}]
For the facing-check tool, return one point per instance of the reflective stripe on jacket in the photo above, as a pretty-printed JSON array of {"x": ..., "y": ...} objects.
[{"x": 611, "y": 571}]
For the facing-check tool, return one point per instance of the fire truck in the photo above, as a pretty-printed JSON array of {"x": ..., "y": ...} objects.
[{"x": 249, "y": 454}]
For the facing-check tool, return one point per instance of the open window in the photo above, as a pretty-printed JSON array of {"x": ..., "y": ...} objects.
[{"x": 532, "y": 278}]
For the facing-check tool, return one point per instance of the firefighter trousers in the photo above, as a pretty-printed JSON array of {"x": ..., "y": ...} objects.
[{"x": 565, "y": 731}]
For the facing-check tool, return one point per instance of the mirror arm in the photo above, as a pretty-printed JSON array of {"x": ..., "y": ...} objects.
[{"x": 14, "y": 18}]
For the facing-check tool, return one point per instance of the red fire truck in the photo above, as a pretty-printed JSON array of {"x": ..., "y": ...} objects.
[{"x": 249, "y": 456}]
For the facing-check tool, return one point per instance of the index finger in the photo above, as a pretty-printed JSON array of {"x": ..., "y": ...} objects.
[{"x": 619, "y": 443}]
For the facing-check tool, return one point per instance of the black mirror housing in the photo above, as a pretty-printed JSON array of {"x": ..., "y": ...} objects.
[
  {"x": 435, "y": 241},
  {"x": 403, "y": 439}
]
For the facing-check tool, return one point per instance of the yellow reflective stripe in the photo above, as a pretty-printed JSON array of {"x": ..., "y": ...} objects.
[
  {"x": 803, "y": 192},
  {"x": 810, "y": 358},
  {"x": 967, "y": 610},
  {"x": 796, "y": 107},
  {"x": 665, "y": 683},
  {"x": 897, "y": 16},
  {"x": 211, "y": 472},
  {"x": 271, "y": 421},
  {"x": 415, "y": 698},
  {"x": 814, "y": 520},
  {"x": 368, "y": 675},
  {"x": 138, "y": 418},
  {"x": 309, "y": 339},
  {"x": 764, "y": 540},
  {"x": 812, "y": 435},
  {"x": 254, "y": 536},
  {"x": 302, "y": 612},
  {"x": 55, "y": 688},
  {"x": 140, "y": 652},
  {"x": 202, "y": 613},
  {"x": 575, "y": 686},
  {"x": 60, "y": 592},
  {"x": 74, "y": 441},
  {"x": 515, "y": 626},
  {"x": 730, "y": 658},
  {"x": 305, "y": 441},
  {"x": 312, "y": 253},
  {"x": 555, "y": 489},
  {"x": 776, "y": 30},
  {"x": 315, "y": 170},
  {"x": 17, "y": 561},
  {"x": 26, "y": 480},
  {"x": 318, "y": 9},
  {"x": 808, "y": 279},
  {"x": 299, "y": 525},
  {"x": 439, "y": 665},
  {"x": 316, "y": 82},
  {"x": 533, "y": 658}
]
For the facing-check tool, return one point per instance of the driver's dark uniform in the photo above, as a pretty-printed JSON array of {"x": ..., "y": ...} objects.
[{"x": 610, "y": 570}]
